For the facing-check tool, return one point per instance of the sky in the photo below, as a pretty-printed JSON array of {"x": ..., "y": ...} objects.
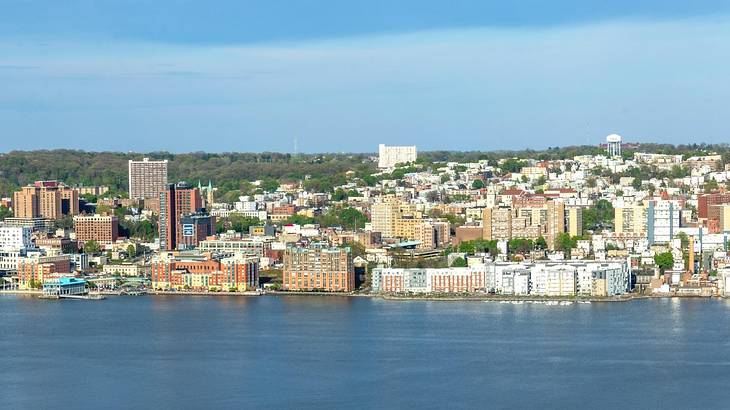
[{"x": 343, "y": 76}]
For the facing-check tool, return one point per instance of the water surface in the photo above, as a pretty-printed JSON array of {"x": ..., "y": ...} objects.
[{"x": 337, "y": 352}]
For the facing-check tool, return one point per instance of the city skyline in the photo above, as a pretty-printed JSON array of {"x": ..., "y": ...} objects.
[{"x": 491, "y": 76}]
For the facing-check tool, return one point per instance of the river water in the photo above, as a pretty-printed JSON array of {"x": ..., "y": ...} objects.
[{"x": 312, "y": 352}]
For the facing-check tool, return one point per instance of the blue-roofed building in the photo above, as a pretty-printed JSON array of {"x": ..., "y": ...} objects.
[{"x": 64, "y": 286}]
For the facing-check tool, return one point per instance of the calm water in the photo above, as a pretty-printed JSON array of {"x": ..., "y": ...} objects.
[{"x": 333, "y": 352}]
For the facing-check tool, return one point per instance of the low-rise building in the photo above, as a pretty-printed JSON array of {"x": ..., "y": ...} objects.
[{"x": 204, "y": 271}]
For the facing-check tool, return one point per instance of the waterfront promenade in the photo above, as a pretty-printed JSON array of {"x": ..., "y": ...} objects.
[{"x": 476, "y": 297}]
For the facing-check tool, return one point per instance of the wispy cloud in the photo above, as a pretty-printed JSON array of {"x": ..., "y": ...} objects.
[{"x": 468, "y": 88}]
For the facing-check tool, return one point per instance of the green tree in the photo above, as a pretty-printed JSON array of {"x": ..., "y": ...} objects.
[
  {"x": 269, "y": 185},
  {"x": 300, "y": 220},
  {"x": 599, "y": 216},
  {"x": 541, "y": 243},
  {"x": 636, "y": 183},
  {"x": 103, "y": 209},
  {"x": 564, "y": 242},
  {"x": 356, "y": 249},
  {"x": 512, "y": 165},
  {"x": 131, "y": 251},
  {"x": 459, "y": 263},
  {"x": 352, "y": 218},
  {"x": 520, "y": 245},
  {"x": 5, "y": 212},
  {"x": 339, "y": 195},
  {"x": 477, "y": 184},
  {"x": 664, "y": 261},
  {"x": 711, "y": 186},
  {"x": 92, "y": 247},
  {"x": 236, "y": 222}
]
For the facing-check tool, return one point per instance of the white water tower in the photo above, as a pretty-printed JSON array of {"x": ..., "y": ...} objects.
[{"x": 613, "y": 145}]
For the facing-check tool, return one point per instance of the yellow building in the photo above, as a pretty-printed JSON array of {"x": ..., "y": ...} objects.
[
  {"x": 630, "y": 219},
  {"x": 723, "y": 216},
  {"x": 574, "y": 223},
  {"x": 529, "y": 222}
]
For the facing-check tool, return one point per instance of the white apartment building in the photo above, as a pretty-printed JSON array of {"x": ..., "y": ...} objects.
[
  {"x": 9, "y": 259},
  {"x": 15, "y": 237},
  {"x": 585, "y": 278},
  {"x": 429, "y": 280},
  {"x": 389, "y": 156},
  {"x": 663, "y": 218}
]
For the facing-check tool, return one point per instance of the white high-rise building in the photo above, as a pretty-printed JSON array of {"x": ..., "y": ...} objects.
[
  {"x": 147, "y": 178},
  {"x": 388, "y": 156},
  {"x": 663, "y": 218}
]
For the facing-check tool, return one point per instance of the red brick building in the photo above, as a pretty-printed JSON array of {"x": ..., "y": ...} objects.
[
  {"x": 203, "y": 271},
  {"x": 102, "y": 229}
]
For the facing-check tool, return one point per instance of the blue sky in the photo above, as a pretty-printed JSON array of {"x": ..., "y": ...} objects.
[{"x": 342, "y": 76}]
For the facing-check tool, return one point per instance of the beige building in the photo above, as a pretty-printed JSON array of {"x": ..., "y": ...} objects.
[
  {"x": 45, "y": 199},
  {"x": 574, "y": 220},
  {"x": 497, "y": 223},
  {"x": 126, "y": 269},
  {"x": 386, "y": 214},
  {"x": 723, "y": 212},
  {"x": 147, "y": 178},
  {"x": 394, "y": 218},
  {"x": 318, "y": 268},
  {"x": 630, "y": 219},
  {"x": 529, "y": 222}
]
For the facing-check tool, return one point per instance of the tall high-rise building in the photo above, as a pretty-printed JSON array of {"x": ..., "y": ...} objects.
[
  {"x": 45, "y": 199},
  {"x": 574, "y": 220},
  {"x": 663, "y": 218},
  {"x": 388, "y": 157},
  {"x": 147, "y": 178},
  {"x": 175, "y": 201}
]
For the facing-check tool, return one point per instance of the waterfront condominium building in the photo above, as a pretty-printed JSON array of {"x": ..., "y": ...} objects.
[
  {"x": 388, "y": 156},
  {"x": 45, "y": 199},
  {"x": 204, "y": 271},
  {"x": 147, "y": 178},
  {"x": 318, "y": 267},
  {"x": 99, "y": 228},
  {"x": 39, "y": 268},
  {"x": 429, "y": 280},
  {"x": 176, "y": 200}
]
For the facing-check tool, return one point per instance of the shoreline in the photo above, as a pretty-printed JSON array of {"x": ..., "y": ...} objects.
[{"x": 397, "y": 297}]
